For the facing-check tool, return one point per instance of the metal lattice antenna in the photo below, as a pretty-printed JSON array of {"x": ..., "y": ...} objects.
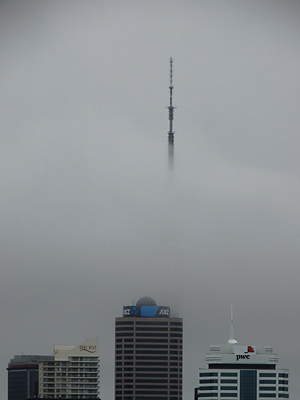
[
  {"x": 171, "y": 107},
  {"x": 231, "y": 327}
]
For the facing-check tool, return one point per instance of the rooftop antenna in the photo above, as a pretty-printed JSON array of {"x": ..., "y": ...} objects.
[
  {"x": 171, "y": 117},
  {"x": 231, "y": 327}
]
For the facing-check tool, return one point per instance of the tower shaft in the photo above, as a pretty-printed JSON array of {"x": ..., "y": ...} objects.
[{"x": 171, "y": 107}]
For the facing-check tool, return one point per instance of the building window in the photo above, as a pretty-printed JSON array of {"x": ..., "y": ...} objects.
[
  {"x": 147, "y": 375},
  {"x": 147, "y": 345},
  {"x": 207, "y": 388},
  {"x": 156, "y": 386},
  {"x": 283, "y": 382},
  {"x": 157, "y": 369},
  {"x": 124, "y": 333},
  {"x": 124, "y": 322},
  {"x": 147, "y": 357},
  {"x": 228, "y": 373},
  {"x": 150, "y": 329},
  {"x": 152, "y": 340},
  {"x": 124, "y": 328},
  {"x": 151, "y": 363},
  {"x": 248, "y": 384},
  {"x": 228, "y": 387},
  {"x": 152, "y": 381},
  {"x": 147, "y": 392},
  {"x": 151, "y": 323},
  {"x": 149, "y": 334}
]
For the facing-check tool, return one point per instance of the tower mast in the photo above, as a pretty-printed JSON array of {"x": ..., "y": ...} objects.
[
  {"x": 171, "y": 107},
  {"x": 231, "y": 327}
]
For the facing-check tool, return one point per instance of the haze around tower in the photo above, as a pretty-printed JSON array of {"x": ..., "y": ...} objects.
[{"x": 92, "y": 216}]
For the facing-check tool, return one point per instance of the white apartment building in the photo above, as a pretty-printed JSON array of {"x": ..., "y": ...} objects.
[{"x": 73, "y": 372}]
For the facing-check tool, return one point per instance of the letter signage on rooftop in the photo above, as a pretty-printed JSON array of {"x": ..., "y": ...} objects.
[
  {"x": 243, "y": 352},
  {"x": 146, "y": 311}
]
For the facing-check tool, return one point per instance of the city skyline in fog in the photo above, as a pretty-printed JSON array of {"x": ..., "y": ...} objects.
[{"x": 95, "y": 211}]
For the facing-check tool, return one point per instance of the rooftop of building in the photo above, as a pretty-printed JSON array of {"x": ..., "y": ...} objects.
[
  {"x": 146, "y": 307},
  {"x": 27, "y": 361}
]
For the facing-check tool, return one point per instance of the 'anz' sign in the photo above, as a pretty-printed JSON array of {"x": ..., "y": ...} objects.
[
  {"x": 243, "y": 352},
  {"x": 146, "y": 311},
  {"x": 164, "y": 312},
  {"x": 131, "y": 311}
]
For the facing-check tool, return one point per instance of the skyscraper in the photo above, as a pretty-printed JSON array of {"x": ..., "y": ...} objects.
[
  {"x": 245, "y": 372},
  {"x": 148, "y": 355},
  {"x": 23, "y": 376}
]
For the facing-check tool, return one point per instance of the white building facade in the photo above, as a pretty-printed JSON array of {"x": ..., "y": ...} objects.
[
  {"x": 242, "y": 373},
  {"x": 73, "y": 372}
]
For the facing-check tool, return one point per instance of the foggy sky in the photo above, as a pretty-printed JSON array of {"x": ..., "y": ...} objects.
[{"x": 93, "y": 217}]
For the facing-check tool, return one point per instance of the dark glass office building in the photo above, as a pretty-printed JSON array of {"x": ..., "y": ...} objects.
[
  {"x": 23, "y": 376},
  {"x": 148, "y": 354}
]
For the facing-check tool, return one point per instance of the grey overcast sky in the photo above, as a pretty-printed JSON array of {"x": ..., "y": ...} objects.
[{"x": 93, "y": 217}]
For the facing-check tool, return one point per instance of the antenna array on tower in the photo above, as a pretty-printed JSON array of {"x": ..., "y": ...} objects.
[{"x": 171, "y": 107}]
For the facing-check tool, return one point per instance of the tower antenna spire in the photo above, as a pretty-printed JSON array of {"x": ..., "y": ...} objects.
[
  {"x": 231, "y": 327},
  {"x": 171, "y": 107}
]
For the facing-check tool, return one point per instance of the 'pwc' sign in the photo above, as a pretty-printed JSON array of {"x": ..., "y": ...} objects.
[{"x": 243, "y": 352}]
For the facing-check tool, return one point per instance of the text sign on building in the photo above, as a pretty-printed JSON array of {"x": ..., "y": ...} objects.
[
  {"x": 88, "y": 349},
  {"x": 146, "y": 311},
  {"x": 243, "y": 352}
]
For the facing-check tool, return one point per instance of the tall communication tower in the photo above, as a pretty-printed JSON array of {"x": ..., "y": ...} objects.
[{"x": 171, "y": 107}]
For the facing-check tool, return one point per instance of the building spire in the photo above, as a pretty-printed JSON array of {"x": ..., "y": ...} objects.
[
  {"x": 171, "y": 107},
  {"x": 231, "y": 327}
]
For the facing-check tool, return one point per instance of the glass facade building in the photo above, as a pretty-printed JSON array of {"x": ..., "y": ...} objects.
[
  {"x": 148, "y": 353},
  {"x": 23, "y": 376}
]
